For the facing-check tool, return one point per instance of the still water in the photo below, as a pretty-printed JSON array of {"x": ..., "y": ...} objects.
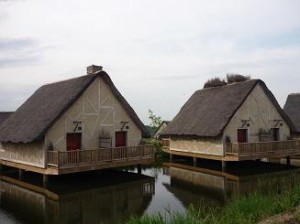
[{"x": 111, "y": 196}]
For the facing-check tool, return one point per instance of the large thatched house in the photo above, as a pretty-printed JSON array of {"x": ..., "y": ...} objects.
[
  {"x": 292, "y": 109},
  {"x": 82, "y": 122},
  {"x": 237, "y": 121}
]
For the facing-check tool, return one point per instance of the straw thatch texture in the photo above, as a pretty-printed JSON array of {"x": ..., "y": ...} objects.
[
  {"x": 32, "y": 120},
  {"x": 292, "y": 109},
  {"x": 208, "y": 111},
  {"x": 4, "y": 116}
]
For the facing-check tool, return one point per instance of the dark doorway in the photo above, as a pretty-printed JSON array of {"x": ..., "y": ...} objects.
[
  {"x": 73, "y": 141},
  {"x": 242, "y": 135},
  {"x": 275, "y": 134},
  {"x": 121, "y": 137}
]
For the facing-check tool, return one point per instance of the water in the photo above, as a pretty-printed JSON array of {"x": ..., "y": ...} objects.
[{"x": 111, "y": 196}]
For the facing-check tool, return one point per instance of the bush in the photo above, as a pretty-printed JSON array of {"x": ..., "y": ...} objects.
[
  {"x": 214, "y": 82},
  {"x": 231, "y": 78}
]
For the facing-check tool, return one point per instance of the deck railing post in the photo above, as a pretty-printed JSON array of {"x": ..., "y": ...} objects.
[
  {"x": 77, "y": 157},
  {"x": 57, "y": 153},
  {"x": 112, "y": 154}
]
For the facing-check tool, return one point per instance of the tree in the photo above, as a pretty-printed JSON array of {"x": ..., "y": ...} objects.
[{"x": 155, "y": 120}]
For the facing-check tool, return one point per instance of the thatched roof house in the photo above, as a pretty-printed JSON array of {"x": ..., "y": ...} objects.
[
  {"x": 37, "y": 114},
  {"x": 244, "y": 111},
  {"x": 292, "y": 109},
  {"x": 209, "y": 110},
  {"x": 84, "y": 113}
]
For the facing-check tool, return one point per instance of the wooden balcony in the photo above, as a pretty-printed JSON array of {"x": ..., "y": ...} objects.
[
  {"x": 61, "y": 162},
  {"x": 276, "y": 149}
]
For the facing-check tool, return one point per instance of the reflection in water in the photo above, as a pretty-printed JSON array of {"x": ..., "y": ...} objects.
[
  {"x": 112, "y": 196},
  {"x": 213, "y": 186},
  {"x": 108, "y": 197}
]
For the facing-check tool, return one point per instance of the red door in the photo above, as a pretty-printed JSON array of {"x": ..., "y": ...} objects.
[
  {"x": 121, "y": 137},
  {"x": 242, "y": 135},
  {"x": 73, "y": 141}
]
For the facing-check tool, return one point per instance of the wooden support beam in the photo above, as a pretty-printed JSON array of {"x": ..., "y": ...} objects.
[
  {"x": 224, "y": 166},
  {"x": 139, "y": 168},
  {"x": 45, "y": 180},
  {"x": 288, "y": 160},
  {"x": 194, "y": 161},
  {"x": 21, "y": 173}
]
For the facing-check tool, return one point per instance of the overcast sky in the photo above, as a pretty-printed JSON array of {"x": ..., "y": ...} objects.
[{"x": 157, "y": 52}]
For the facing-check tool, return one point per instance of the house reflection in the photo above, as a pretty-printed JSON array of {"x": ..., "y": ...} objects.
[
  {"x": 109, "y": 197},
  {"x": 217, "y": 187}
]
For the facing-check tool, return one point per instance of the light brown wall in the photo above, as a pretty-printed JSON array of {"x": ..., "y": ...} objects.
[
  {"x": 203, "y": 146},
  {"x": 261, "y": 113},
  {"x": 101, "y": 115},
  {"x": 29, "y": 154}
]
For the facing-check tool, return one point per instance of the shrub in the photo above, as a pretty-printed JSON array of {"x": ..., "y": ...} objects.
[
  {"x": 214, "y": 82},
  {"x": 231, "y": 78}
]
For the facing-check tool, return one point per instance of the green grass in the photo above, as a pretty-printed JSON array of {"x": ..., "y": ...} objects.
[{"x": 246, "y": 210}]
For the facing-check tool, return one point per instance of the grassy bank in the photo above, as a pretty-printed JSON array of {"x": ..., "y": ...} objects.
[{"x": 245, "y": 210}]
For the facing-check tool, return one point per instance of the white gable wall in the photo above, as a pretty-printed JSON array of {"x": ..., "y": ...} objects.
[
  {"x": 260, "y": 113},
  {"x": 100, "y": 114}
]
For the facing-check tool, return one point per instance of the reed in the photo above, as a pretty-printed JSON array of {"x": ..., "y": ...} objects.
[{"x": 248, "y": 209}]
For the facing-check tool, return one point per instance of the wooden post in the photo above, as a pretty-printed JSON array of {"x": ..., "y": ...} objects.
[
  {"x": 45, "y": 178},
  {"x": 57, "y": 159},
  {"x": 139, "y": 167},
  {"x": 224, "y": 166},
  {"x": 77, "y": 157},
  {"x": 194, "y": 161},
  {"x": 21, "y": 173},
  {"x": 288, "y": 160}
]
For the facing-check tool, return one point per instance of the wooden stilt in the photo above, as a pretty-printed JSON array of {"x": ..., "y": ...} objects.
[
  {"x": 139, "y": 167},
  {"x": 45, "y": 179},
  {"x": 171, "y": 157},
  {"x": 224, "y": 166},
  {"x": 21, "y": 173},
  {"x": 194, "y": 161},
  {"x": 288, "y": 160}
]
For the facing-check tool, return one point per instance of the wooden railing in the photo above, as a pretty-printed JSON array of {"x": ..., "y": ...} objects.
[
  {"x": 261, "y": 147},
  {"x": 103, "y": 155}
]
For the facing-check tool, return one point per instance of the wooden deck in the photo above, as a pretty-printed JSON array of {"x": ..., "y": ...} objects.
[
  {"x": 245, "y": 151},
  {"x": 64, "y": 162}
]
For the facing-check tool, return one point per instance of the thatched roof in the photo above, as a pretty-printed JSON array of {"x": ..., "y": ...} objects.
[
  {"x": 4, "y": 116},
  {"x": 208, "y": 111},
  {"x": 292, "y": 109},
  {"x": 32, "y": 120}
]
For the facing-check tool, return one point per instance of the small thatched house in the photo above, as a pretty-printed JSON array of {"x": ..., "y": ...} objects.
[
  {"x": 160, "y": 128},
  {"x": 230, "y": 123},
  {"x": 83, "y": 114},
  {"x": 292, "y": 109}
]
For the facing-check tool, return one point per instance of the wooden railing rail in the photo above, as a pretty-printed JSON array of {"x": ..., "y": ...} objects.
[
  {"x": 78, "y": 157},
  {"x": 261, "y": 147}
]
